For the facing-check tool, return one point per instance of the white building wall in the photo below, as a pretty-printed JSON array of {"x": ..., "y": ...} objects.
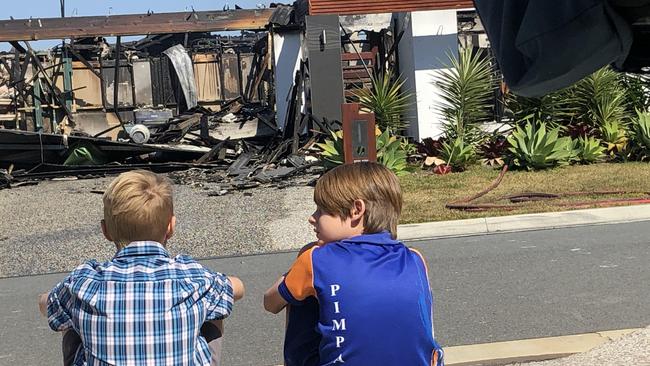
[{"x": 429, "y": 37}]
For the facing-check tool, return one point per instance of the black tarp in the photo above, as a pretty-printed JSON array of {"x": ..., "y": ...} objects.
[{"x": 546, "y": 45}]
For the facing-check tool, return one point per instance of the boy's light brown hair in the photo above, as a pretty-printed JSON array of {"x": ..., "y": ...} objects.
[
  {"x": 373, "y": 183},
  {"x": 138, "y": 205}
]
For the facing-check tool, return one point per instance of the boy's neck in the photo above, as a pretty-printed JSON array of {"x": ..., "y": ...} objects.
[{"x": 120, "y": 246}]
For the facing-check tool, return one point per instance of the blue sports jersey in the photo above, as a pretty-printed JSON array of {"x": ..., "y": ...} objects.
[{"x": 374, "y": 301}]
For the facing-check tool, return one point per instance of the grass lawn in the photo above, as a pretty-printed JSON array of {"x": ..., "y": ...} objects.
[{"x": 425, "y": 194}]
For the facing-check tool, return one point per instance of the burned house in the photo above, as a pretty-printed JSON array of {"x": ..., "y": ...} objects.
[{"x": 183, "y": 96}]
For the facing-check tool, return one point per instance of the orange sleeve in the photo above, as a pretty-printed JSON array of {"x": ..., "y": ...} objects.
[{"x": 299, "y": 282}]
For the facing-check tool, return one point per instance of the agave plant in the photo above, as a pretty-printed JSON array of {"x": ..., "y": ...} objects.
[
  {"x": 466, "y": 90},
  {"x": 387, "y": 101},
  {"x": 533, "y": 147},
  {"x": 589, "y": 150},
  {"x": 332, "y": 150},
  {"x": 391, "y": 151},
  {"x": 614, "y": 137},
  {"x": 457, "y": 154}
]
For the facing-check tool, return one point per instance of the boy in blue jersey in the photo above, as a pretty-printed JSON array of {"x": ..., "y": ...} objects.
[
  {"x": 360, "y": 294},
  {"x": 143, "y": 307}
]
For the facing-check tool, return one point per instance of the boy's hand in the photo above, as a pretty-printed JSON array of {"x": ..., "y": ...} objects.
[
  {"x": 238, "y": 289},
  {"x": 42, "y": 304}
]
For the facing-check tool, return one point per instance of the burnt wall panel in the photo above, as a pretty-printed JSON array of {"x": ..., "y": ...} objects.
[
  {"x": 125, "y": 87},
  {"x": 246, "y": 61},
  {"x": 206, "y": 73},
  {"x": 231, "y": 82},
  {"x": 324, "y": 52},
  {"x": 161, "y": 82}
]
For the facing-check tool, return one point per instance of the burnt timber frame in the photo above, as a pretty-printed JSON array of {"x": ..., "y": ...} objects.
[{"x": 134, "y": 24}]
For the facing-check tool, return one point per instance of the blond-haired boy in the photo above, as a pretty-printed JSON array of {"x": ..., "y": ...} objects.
[
  {"x": 143, "y": 307},
  {"x": 373, "y": 302}
]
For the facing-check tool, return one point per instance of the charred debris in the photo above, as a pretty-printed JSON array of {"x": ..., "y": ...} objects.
[{"x": 202, "y": 105}]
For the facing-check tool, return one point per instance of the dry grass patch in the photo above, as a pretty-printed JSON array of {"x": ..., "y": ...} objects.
[{"x": 425, "y": 194}]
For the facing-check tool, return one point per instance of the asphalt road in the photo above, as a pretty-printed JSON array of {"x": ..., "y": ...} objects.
[{"x": 487, "y": 288}]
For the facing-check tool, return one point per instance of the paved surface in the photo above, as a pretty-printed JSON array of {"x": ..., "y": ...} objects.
[
  {"x": 488, "y": 289},
  {"x": 633, "y": 349},
  {"x": 54, "y": 226}
]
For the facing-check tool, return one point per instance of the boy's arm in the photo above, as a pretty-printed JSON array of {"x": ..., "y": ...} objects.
[
  {"x": 273, "y": 301},
  {"x": 42, "y": 304},
  {"x": 238, "y": 289},
  {"x": 294, "y": 287},
  {"x": 56, "y": 305}
]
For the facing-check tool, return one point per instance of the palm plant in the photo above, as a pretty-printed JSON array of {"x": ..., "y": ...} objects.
[
  {"x": 636, "y": 92},
  {"x": 555, "y": 109},
  {"x": 601, "y": 98},
  {"x": 466, "y": 90},
  {"x": 387, "y": 101}
]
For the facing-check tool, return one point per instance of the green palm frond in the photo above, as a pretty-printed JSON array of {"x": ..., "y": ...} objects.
[
  {"x": 466, "y": 90},
  {"x": 387, "y": 101}
]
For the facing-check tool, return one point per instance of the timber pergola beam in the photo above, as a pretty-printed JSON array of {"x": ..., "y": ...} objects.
[{"x": 134, "y": 24}]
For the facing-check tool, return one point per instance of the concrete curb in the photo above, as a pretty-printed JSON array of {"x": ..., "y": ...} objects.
[
  {"x": 529, "y": 350},
  {"x": 541, "y": 221}
]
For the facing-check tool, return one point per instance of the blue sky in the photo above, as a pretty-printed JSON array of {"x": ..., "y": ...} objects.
[{"x": 51, "y": 8}]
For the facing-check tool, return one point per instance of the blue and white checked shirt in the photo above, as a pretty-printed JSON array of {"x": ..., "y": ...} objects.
[{"x": 141, "y": 308}]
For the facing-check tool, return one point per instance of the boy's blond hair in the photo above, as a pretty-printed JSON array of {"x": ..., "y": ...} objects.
[
  {"x": 138, "y": 205},
  {"x": 373, "y": 183}
]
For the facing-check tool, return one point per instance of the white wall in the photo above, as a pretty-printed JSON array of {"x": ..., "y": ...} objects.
[
  {"x": 287, "y": 53},
  {"x": 429, "y": 37}
]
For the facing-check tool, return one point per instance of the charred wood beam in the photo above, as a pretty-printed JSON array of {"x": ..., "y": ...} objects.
[
  {"x": 18, "y": 47},
  {"x": 133, "y": 24}
]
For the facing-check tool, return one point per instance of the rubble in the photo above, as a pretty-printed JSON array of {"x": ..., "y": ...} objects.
[{"x": 180, "y": 99}]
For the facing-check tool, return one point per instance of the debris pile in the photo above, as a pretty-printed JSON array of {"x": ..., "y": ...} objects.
[{"x": 192, "y": 101}]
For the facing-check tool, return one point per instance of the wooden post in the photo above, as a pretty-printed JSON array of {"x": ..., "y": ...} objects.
[{"x": 359, "y": 141}]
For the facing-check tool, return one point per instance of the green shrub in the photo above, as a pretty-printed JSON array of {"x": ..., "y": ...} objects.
[
  {"x": 533, "y": 147},
  {"x": 614, "y": 136},
  {"x": 457, "y": 154},
  {"x": 589, "y": 150},
  {"x": 641, "y": 135},
  {"x": 391, "y": 151}
]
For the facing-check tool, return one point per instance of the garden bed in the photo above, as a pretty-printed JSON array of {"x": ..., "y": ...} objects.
[{"x": 426, "y": 194}]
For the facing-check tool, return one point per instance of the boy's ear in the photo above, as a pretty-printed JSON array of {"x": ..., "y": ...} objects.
[
  {"x": 358, "y": 209},
  {"x": 171, "y": 227},
  {"x": 105, "y": 231}
]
